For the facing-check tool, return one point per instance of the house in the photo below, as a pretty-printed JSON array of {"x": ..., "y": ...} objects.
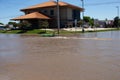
[
  {"x": 48, "y": 11},
  {"x": 2, "y": 27},
  {"x": 103, "y": 23}
]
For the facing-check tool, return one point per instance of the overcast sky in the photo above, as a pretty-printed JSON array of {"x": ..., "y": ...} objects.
[{"x": 98, "y": 9}]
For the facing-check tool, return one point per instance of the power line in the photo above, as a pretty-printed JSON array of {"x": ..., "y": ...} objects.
[
  {"x": 90, "y": 4},
  {"x": 103, "y": 3}
]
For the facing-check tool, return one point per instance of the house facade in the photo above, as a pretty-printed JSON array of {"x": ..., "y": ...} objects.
[{"x": 48, "y": 11}]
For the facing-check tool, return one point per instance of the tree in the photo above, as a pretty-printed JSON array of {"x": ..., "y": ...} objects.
[
  {"x": 86, "y": 19},
  {"x": 44, "y": 24},
  {"x": 91, "y": 22},
  {"x": 1, "y": 23},
  {"x": 116, "y": 22},
  {"x": 79, "y": 23},
  {"x": 12, "y": 23},
  {"x": 25, "y": 25}
]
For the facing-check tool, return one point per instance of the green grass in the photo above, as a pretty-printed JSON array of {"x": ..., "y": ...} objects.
[
  {"x": 35, "y": 31},
  {"x": 39, "y": 32},
  {"x": 10, "y": 32}
]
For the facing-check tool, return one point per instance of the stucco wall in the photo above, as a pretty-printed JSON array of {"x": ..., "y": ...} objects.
[
  {"x": 45, "y": 11},
  {"x": 69, "y": 13},
  {"x": 63, "y": 13}
]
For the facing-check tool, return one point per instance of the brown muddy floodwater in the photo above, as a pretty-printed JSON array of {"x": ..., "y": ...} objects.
[{"x": 89, "y": 56}]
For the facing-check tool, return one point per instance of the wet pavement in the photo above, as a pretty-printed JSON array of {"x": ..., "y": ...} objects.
[{"x": 89, "y": 56}]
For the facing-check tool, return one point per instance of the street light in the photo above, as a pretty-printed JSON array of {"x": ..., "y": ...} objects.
[
  {"x": 117, "y": 11},
  {"x": 82, "y": 15},
  {"x": 58, "y": 17},
  {"x": 118, "y": 15}
]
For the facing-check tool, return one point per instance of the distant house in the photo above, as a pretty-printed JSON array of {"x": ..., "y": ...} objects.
[
  {"x": 2, "y": 27},
  {"x": 48, "y": 11},
  {"x": 103, "y": 23}
]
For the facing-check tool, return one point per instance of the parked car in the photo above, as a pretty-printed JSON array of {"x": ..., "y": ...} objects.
[{"x": 86, "y": 26}]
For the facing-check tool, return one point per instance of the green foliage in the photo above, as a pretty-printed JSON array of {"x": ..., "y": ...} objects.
[
  {"x": 44, "y": 24},
  {"x": 12, "y": 23},
  {"x": 116, "y": 22},
  {"x": 25, "y": 25},
  {"x": 91, "y": 22},
  {"x": 1, "y": 23},
  {"x": 88, "y": 20},
  {"x": 79, "y": 23}
]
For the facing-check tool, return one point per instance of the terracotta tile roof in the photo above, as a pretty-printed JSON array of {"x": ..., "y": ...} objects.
[
  {"x": 52, "y": 4},
  {"x": 34, "y": 15}
]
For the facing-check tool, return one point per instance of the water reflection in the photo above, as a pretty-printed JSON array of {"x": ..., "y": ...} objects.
[
  {"x": 9, "y": 36},
  {"x": 109, "y": 34},
  {"x": 10, "y": 46}
]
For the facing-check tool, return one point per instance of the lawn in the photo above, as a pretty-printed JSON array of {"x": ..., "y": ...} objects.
[
  {"x": 47, "y": 32},
  {"x": 35, "y": 31}
]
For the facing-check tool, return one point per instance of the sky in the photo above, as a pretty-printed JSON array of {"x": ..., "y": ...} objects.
[{"x": 97, "y": 9}]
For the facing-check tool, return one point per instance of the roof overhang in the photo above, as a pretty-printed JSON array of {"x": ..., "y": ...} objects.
[
  {"x": 34, "y": 15},
  {"x": 52, "y": 4}
]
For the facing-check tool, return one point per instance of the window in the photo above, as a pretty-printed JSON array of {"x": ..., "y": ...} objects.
[
  {"x": 76, "y": 14},
  {"x": 45, "y": 11},
  {"x": 52, "y": 12}
]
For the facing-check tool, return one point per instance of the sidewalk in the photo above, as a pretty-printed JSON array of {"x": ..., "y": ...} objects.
[{"x": 86, "y": 29}]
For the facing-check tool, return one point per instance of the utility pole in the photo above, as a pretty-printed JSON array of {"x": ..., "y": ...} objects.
[
  {"x": 58, "y": 18},
  {"x": 82, "y": 15}
]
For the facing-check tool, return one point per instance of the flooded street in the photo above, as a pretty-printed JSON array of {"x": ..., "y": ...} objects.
[{"x": 89, "y": 56}]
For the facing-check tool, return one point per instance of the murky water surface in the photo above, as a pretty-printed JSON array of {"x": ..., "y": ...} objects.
[{"x": 89, "y": 56}]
